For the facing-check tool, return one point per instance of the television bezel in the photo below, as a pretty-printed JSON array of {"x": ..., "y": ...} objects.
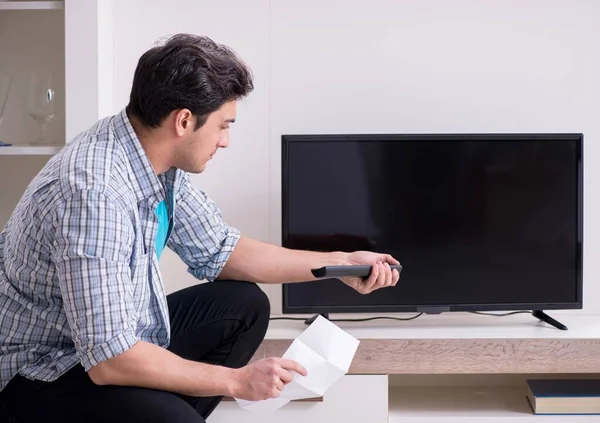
[{"x": 288, "y": 139}]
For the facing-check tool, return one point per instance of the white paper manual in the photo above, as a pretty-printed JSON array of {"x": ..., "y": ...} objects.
[{"x": 326, "y": 351}]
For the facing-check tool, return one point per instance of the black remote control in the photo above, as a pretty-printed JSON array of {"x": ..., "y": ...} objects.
[{"x": 350, "y": 270}]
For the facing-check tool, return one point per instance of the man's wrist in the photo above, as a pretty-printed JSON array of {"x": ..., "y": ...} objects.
[
  {"x": 231, "y": 382},
  {"x": 214, "y": 380},
  {"x": 337, "y": 258}
]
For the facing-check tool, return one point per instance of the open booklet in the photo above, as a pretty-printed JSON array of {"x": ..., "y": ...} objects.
[{"x": 326, "y": 351}]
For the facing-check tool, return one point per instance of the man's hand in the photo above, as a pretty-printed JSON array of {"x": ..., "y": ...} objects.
[
  {"x": 264, "y": 379},
  {"x": 381, "y": 274}
]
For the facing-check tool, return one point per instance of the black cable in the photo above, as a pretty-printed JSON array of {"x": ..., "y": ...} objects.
[
  {"x": 500, "y": 314},
  {"x": 366, "y": 319}
]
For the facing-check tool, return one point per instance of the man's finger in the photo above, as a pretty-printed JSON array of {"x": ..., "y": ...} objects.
[
  {"x": 389, "y": 259},
  {"x": 293, "y": 365},
  {"x": 395, "y": 277},
  {"x": 380, "y": 278},
  {"x": 285, "y": 376},
  {"x": 386, "y": 276},
  {"x": 372, "y": 280},
  {"x": 389, "y": 277}
]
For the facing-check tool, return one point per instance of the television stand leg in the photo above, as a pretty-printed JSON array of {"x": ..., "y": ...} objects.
[
  {"x": 312, "y": 319},
  {"x": 539, "y": 314}
]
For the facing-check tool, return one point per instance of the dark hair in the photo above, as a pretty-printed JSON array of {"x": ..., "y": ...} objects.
[{"x": 186, "y": 71}]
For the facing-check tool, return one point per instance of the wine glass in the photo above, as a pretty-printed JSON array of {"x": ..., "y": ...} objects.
[
  {"x": 5, "y": 83},
  {"x": 41, "y": 103}
]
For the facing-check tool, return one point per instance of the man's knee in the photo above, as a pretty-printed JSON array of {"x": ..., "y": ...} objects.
[
  {"x": 244, "y": 301},
  {"x": 251, "y": 303},
  {"x": 254, "y": 297},
  {"x": 255, "y": 305}
]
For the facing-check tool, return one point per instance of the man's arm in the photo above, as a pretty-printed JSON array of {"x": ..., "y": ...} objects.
[
  {"x": 261, "y": 262},
  {"x": 214, "y": 250},
  {"x": 150, "y": 366},
  {"x": 153, "y": 367}
]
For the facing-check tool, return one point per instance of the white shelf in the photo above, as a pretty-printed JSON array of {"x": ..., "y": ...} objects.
[
  {"x": 469, "y": 405},
  {"x": 31, "y": 5},
  {"x": 27, "y": 150}
]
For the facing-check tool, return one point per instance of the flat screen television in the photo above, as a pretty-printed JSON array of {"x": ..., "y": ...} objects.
[{"x": 479, "y": 222}]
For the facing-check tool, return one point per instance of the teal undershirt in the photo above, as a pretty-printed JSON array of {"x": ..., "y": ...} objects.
[{"x": 164, "y": 224}]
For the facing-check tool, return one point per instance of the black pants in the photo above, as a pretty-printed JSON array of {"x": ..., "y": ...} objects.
[{"x": 219, "y": 323}]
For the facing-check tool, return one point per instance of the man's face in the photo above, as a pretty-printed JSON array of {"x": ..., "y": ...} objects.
[{"x": 198, "y": 147}]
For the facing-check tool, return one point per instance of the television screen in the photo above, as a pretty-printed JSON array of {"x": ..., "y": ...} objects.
[{"x": 478, "y": 222}]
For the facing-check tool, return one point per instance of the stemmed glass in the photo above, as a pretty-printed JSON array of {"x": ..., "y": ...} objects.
[
  {"x": 41, "y": 103},
  {"x": 5, "y": 83}
]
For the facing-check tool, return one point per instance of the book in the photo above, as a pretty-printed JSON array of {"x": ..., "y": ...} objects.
[{"x": 564, "y": 396}]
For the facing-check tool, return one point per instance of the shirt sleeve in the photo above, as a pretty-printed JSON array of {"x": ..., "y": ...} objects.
[
  {"x": 200, "y": 237},
  {"x": 92, "y": 249}
]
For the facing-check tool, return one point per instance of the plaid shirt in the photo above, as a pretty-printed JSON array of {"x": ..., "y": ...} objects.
[{"x": 79, "y": 275}]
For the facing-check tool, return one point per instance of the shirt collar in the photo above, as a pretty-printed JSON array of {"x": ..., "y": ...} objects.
[{"x": 146, "y": 182}]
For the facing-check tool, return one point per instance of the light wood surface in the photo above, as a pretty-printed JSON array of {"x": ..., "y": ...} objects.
[
  {"x": 460, "y": 356},
  {"x": 450, "y": 348}
]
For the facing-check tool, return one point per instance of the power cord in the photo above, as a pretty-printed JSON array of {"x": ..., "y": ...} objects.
[
  {"x": 404, "y": 319},
  {"x": 366, "y": 319},
  {"x": 500, "y": 314}
]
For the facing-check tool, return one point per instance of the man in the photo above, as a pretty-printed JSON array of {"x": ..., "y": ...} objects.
[{"x": 87, "y": 333}]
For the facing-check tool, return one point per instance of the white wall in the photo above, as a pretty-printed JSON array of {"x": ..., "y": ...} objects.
[{"x": 382, "y": 67}]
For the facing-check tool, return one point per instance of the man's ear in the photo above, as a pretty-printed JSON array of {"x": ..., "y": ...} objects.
[{"x": 183, "y": 120}]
